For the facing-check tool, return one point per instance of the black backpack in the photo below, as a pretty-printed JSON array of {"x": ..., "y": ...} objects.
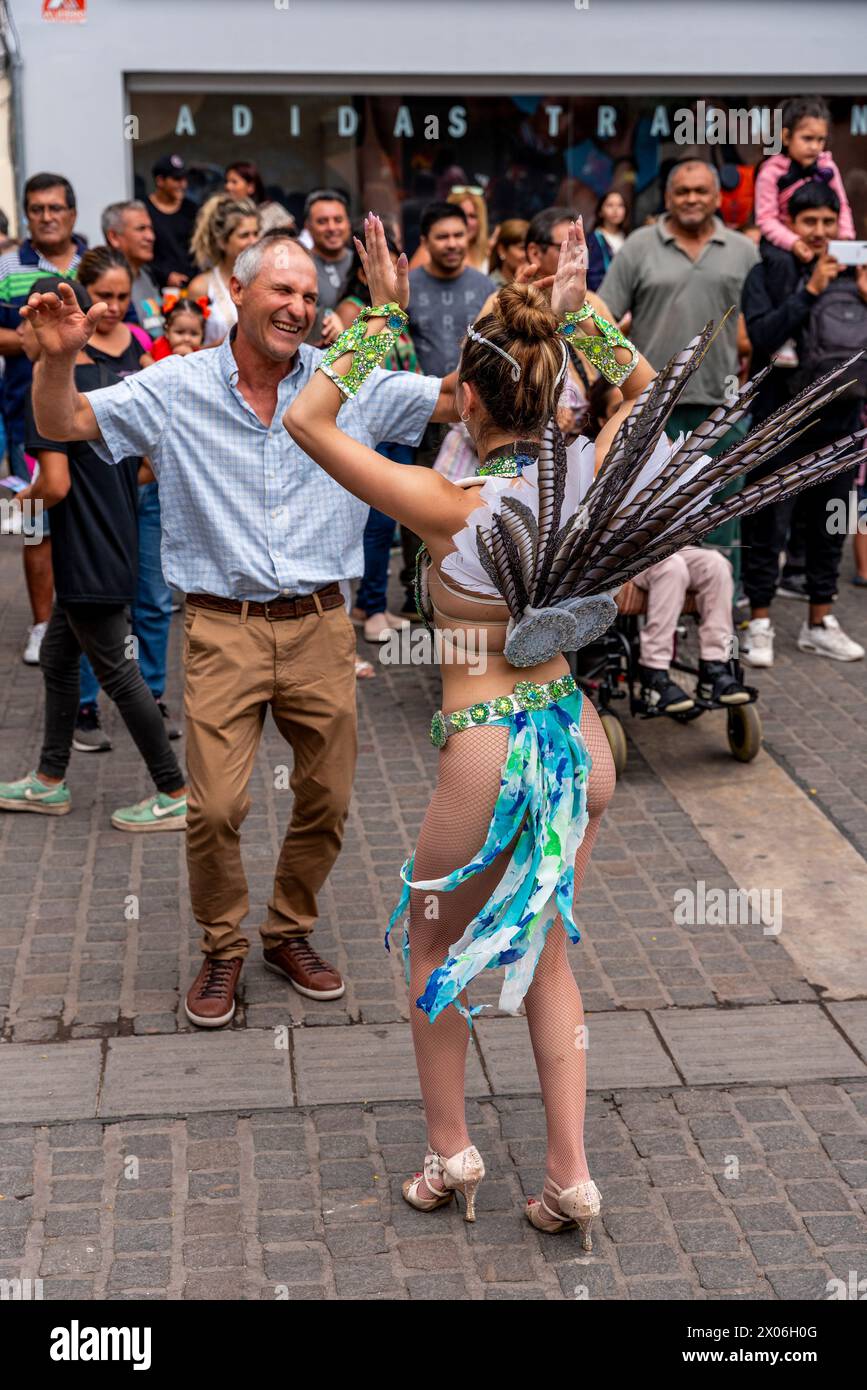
[{"x": 836, "y": 330}]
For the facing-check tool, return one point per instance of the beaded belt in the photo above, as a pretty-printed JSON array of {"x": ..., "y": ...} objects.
[{"x": 527, "y": 696}]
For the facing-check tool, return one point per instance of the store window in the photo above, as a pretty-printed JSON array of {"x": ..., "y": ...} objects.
[{"x": 396, "y": 153}]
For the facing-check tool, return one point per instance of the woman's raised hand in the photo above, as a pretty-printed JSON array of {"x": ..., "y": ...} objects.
[
  {"x": 61, "y": 326},
  {"x": 570, "y": 282},
  {"x": 388, "y": 283}
]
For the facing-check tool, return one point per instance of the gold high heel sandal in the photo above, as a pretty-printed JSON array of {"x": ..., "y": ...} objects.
[
  {"x": 461, "y": 1173},
  {"x": 577, "y": 1205}
]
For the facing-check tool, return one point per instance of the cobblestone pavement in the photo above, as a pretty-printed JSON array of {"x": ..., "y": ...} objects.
[
  {"x": 97, "y": 939},
  {"x": 746, "y": 1184},
  {"x": 748, "y": 1193}
]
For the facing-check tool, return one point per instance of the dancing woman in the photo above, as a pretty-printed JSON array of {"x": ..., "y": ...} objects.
[{"x": 526, "y": 564}]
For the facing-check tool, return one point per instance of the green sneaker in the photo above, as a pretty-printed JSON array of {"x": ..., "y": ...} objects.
[
  {"x": 32, "y": 794},
  {"x": 156, "y": 812}
]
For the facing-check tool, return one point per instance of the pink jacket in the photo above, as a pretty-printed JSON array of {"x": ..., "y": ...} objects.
[{"x": 771, "y": 204}]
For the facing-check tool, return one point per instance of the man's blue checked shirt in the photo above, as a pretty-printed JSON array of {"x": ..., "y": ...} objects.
[{"x": 245, "y": 513}]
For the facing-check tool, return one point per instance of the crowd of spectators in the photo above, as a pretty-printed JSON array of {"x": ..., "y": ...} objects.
[
  {"x": 181, "y": 280},
  {"x": 166, "y": 266}
]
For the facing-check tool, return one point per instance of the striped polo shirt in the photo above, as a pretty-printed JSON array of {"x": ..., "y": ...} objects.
[{"x": 19, "y": 271}]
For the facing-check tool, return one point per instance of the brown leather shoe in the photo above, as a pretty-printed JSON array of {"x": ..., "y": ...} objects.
[
  {"x": 298, "y": 963},
  {"x": 210, "y": 1001}
]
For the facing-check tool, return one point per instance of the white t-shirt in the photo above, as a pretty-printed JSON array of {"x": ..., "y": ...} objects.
[{"x": 615, "y": 239}]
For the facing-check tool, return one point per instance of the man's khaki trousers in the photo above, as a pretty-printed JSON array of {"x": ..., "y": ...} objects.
[{"x": 304, "y": 668}]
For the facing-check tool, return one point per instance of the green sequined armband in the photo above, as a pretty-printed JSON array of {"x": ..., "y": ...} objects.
[
  {"x": 599, "y": 351},
  {"x": 368, "y": 350}
]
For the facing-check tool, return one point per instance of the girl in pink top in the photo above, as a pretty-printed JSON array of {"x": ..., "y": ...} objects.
[{"x": 805, "y": 133}]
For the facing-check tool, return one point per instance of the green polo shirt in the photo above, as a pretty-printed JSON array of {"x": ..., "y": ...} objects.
[{"x": 672, "y": 298}]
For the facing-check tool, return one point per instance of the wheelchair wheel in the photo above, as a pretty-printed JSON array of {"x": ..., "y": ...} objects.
[
  {"x": 616, "y": 740},
  {"x": 744, "y": 732}
]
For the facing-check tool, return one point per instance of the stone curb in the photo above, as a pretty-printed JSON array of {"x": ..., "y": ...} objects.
[{"x": 265, "y": 1069}]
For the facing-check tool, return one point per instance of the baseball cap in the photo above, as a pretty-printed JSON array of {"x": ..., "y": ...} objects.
[{"x": 170, "y": 166}]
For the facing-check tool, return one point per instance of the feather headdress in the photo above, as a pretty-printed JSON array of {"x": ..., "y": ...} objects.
[{"x": 557, "y": 543}]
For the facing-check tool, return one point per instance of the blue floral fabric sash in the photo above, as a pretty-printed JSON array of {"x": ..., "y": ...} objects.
[{"x": 543, "y": 793}]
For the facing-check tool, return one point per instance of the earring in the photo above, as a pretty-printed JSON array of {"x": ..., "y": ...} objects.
[{"x": 465, "y": 418}]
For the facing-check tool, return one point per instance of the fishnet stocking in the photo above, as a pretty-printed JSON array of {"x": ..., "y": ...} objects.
[
  {"x": 453, "y": 830},
  {"x": 553, "y": 1002}
]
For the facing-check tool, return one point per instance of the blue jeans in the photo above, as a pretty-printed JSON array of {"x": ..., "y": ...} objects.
[
  {"x": 14, "y": 446},
  {"x": 15, "y": 449},
  {"x": 152, "y": 609},
  {"x": 378, "y": 537}
]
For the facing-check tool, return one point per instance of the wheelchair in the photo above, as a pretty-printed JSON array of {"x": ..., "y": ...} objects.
[{"x": 607, "y": 672}]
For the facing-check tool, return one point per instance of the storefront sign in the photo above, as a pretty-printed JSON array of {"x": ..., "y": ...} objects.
[
  {"x": 705, "y": 124},
  {"x": 406, "y": 125}
]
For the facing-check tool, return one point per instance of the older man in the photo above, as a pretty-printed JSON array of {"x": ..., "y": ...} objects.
[
  {"x": 673, "y": 278},
  {"x": 259, "y": 537},
  {"x": 129, "y": 229}
]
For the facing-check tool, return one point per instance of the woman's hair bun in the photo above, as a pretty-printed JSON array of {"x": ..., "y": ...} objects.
[
  {"x": 515, "y": 361},
  {"x": 525, "y": 313}
]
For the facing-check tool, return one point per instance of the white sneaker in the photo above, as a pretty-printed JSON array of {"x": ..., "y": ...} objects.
[
  {"x": 34, "y": 642},
  {"x": 829, "y": 640},
  {"x": 757, "y": 646}
]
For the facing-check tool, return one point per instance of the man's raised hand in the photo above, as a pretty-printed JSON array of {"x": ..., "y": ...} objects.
[
  {"x": 529, "y": 274},
  {"x": 60, "y": 324}
]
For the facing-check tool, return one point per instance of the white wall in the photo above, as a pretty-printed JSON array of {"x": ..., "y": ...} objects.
[
  {"x": 7, "y": 174},
  {"x": 73, "y": 96}
]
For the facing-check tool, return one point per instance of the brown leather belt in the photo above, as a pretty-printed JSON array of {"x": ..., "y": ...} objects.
[{"x": 318, "y": 602}]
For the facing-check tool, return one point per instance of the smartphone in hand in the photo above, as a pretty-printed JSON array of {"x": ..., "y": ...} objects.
[{"x": 848, "y": 252}]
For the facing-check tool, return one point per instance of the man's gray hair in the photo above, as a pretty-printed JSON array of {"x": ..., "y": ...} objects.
[
  {"x": 113, "y": 215},
  {"x": 249, "y": 261},
  {"x": 693, "y": 159}
]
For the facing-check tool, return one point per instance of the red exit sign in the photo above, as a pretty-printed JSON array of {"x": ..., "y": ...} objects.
[{"x": 66, "y": 11}]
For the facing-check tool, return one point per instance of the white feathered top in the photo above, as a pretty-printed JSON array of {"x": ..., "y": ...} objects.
[{"x": 463, "y": 564}]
